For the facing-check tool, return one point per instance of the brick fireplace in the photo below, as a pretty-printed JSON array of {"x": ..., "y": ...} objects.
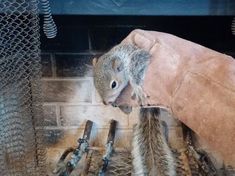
[{"x": 69, "y": 94}]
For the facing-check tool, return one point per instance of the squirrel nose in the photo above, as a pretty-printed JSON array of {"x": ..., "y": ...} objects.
[
  {"x": 114, "y": 105},
  {"x": 105, "y": 103}
]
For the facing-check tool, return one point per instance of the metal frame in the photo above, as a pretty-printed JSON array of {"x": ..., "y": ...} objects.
[{"x": 144, "y": 7}]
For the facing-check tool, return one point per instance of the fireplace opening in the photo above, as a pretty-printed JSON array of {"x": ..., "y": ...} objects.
[
  {"x": 69, "y": 94},
  {"x": 52, "y": 120}
]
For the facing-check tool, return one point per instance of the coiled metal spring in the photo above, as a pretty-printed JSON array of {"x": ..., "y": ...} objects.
[
  {"x": 49, "y": 26},
  {"x": 233, "y": 26}
]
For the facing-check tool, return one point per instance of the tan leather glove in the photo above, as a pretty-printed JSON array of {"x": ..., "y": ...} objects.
[{"x": 196, "y": 84}]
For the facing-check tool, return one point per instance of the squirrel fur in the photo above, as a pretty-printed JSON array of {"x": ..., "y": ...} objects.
[
  {"x": 151, "y": 153},
  {"x": 124, "y": 64}
]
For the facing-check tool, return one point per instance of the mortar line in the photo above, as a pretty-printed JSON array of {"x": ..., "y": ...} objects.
[
  {"x": 93, "y": 93},
  {"x": 87, "y": 78},
  {"x": 72, "y": 104},
  {"x": 58, "y": 116},
  {"x": 92, "y": 52},
  {"x": 89, "y": 40},
  {"x": 53, "y": 65}
]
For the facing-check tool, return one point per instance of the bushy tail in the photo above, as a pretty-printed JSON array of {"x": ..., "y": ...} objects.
[{"x": 151, "y": 154}]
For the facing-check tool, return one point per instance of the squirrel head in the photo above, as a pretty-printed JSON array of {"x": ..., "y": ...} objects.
[{"x": 110, "y": 76}]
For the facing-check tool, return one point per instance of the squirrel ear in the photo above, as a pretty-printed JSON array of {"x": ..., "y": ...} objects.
[
  {"x": 117, "y": 65},
  {"x": 94, "y": 61}
]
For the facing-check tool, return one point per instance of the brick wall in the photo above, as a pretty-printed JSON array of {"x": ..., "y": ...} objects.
[
  {"x": 70, "y": 99},
  {"x": 69, "y": 94}
]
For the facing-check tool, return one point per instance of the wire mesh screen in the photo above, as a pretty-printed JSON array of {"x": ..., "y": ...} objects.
[{"x": 21, "y": 119}]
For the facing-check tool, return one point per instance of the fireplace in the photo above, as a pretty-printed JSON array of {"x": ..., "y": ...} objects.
[{"x": 69, "y": 96}]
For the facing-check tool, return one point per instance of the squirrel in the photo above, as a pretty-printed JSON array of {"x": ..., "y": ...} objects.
[
  {"x": 124, "y": 64},
  {"x": 151, "y": 153}
]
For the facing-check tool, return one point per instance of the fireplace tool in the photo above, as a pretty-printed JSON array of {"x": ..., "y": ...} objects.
[
  {"x": 64, "y": 169},
  {"x": 204, "y": 165},
  {"x": 109, "y": 148},
  {"x": 96, "y": 163},
  {"x": 116, "y": 162}
]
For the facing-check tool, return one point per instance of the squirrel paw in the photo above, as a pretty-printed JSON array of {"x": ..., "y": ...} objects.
[{"x": 139, "y": 95}]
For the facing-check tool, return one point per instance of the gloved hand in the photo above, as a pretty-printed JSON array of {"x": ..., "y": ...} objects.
[{"x": 196, "y": 84}]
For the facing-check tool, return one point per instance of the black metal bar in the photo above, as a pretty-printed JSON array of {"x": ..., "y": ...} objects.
[
  {"x": 109, "y": 147},
  {"x": 87, "y": 131},
  {"x": 65, "y": 153},
  {"x": 82, "y": 148},
  {"x": 143, "y": 7},
  {"x": 112, "y": 130}
]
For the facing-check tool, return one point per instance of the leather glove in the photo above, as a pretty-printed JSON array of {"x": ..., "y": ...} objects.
[{"x": 196, "y": 84}]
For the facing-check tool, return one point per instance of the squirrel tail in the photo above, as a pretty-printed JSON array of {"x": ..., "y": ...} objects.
[{"x": 151, "y": 153}]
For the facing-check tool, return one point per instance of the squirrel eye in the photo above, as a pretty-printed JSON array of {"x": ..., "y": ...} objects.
[{"x": 113, "y": 84}]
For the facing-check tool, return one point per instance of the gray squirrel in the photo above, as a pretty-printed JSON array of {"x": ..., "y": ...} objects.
[
  {"x": 124, "y": 64},
  {"x": 151, "y": 153}
]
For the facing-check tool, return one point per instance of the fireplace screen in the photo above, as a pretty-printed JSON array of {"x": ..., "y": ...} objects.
[{"x": 21, "y": 119}]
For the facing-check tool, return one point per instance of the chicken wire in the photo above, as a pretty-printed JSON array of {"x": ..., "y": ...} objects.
[{"x": 21, "y": 120}]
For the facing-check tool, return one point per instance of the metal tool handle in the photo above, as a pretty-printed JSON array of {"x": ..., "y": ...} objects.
[
  {"x": 87, "y": 130},
  {"x": 65, "y": 153},
  {"x": 109, "y": 147},
  {"x": 112, "y": 131},
  {"x": 61, "y": 165}
]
